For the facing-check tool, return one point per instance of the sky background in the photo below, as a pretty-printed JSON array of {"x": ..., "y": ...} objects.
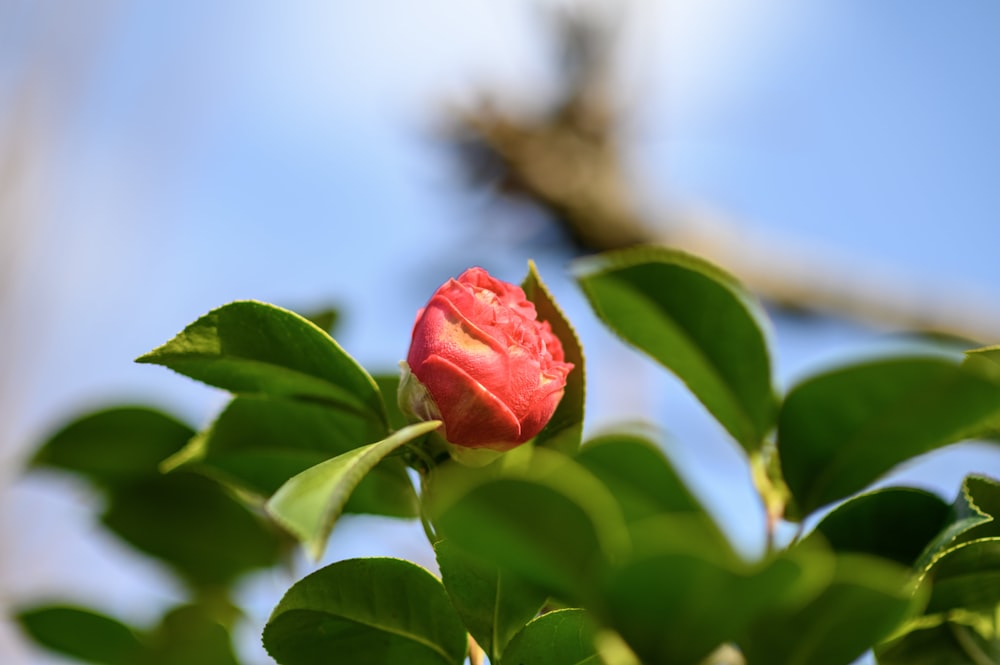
[{"x": 168, "y": 158}]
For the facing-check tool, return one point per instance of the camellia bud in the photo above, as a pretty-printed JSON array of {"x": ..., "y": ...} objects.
[{"x": 482, "y": 363}]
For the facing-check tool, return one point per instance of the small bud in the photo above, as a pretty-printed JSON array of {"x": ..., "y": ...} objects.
[{"x": 482, "y": 363}]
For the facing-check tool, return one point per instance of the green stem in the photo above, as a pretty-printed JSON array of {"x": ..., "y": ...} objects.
[
  {"x": 419, "y": 459},
  {"x": 424, "y": 520},
  {"x": 969, "y": 646},
  {"x": 771, "y": 495}
]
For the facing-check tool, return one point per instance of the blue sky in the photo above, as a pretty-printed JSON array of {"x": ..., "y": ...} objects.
[{"x": 207, "y": 154}]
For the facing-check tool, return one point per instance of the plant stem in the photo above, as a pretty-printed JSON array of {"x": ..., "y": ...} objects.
[
  {"x": 969, "y": 646},
  {"x": 476, "y": 653},
  {"x": 424, "y": 520},
  {"x": 772, "y": 496}
]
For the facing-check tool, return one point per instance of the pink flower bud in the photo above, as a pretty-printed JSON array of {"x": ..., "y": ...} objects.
[{"x": 481, "y": 362}]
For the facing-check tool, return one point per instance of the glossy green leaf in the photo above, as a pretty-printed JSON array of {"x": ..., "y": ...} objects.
[
  {"x": 971, "y": 516},
  {"x": 116, "y": 445},
  {"x": 962, "y": 640},
  {"x": 679, "y": 604},
  {"x": 985, "y": 361},
  {"x": 961, "y": 617},
  {"x": 253, "y": 347},
  {"x": 565, "y": 429},
  {"x": 258, "y": 443},
  {"x": 696, "y": 321},
  {"x": 545, "y": 519},
  {"x": 388, "y": 385},
  {"x": 960, "y": 571},
  {"x": 840, "y": 431},
  {"x": 366, "y": 612},
  {"x": 638, "y": 475},
  {"x": 190, "y": 523},
  {"x": 988, "y": 353},
  {"x": 562, "y": 637},
  {"x": 309, "y": 504},
  {"x": 82, "y": 634},
  {"x": 531, "y": 529},
  {"x": 646, "y": 487},
  {"x": 867, "y": 599},
  {"x": 895, "y": 523},
  {"x": 492, "y": 604},
  {"x": 326, "y": 318},
  {"x": 966, "y": 577},
  {"x": 980, "y": 498},
  {"x": 182, "y": 519},
  {"x": 189, "y": 635}
]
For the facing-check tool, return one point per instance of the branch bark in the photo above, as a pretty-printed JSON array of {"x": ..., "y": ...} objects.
[{"x": 568, "y": 162}]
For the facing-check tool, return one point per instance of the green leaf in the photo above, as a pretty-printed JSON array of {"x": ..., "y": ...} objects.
[
  {"x": 190, "y": 523},
  {"x": 258, "y": 443},
  {"x": 989, "y": 353},
  {"x": 980, "y": 498},
  {"x": 309, "y": 504},
  {"x": 697, "y": 322},
  {"x": 960, "y": 571},
  {"x": 985, "y": 361},
  {"x": 366, "y": 611},
  {"x": 388, "y": 385},
  {"x": 541, "y": 517},
  {"x": 326, "y": 318},
  {"x": 966, "y": 577},
  {"x": 961, "y": 640},
  {"x": 189, "y": 635},
  {"x": 646, "y": 487},
  {"x": 867, "y": 599},
  {"x": 895, "y": 523},
  {"x": 565, "y": 429},
  {"x": 562, "y": 637},
  {"x": 81, "y": 634},
  {"x": 960, "y": 620},
  {"x": 182, "y": 519},
  {"x": 840, "y": 431},
  {"x": 638, "y": 475},
  {"x": 252, "y": 347},
  {"x": 116, "y": 445},
  {"x": 492, "y": 604},
  {"x": 971, "y": 517},
  {"x": 679, "y": 604}
]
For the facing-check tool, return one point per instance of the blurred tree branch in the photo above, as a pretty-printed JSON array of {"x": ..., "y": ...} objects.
[
  {"x": 568, "y": 161},
  {"x": 46, "y": 55}
]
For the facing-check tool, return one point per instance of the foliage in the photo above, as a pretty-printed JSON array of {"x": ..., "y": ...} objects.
[{"x": 562, "y": 550}]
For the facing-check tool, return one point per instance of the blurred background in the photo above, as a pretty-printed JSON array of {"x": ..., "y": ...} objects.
[{"x": 160, "y": 159}]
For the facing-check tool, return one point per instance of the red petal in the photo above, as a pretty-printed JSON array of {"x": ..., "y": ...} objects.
[
  {"x": 444, "y": 331},
  {"x": 473, "y": 416}
]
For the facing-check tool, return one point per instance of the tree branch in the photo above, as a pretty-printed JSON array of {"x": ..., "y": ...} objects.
[{"x": 568, "y": 161}]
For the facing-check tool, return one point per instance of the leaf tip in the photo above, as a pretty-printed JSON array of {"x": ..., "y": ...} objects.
[{"x": 315, "y": 549}]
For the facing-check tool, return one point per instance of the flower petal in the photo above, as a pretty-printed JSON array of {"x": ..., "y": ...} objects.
[
  {"x": 473, "y": 416},
  {"x": 446, "y": 332}
]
